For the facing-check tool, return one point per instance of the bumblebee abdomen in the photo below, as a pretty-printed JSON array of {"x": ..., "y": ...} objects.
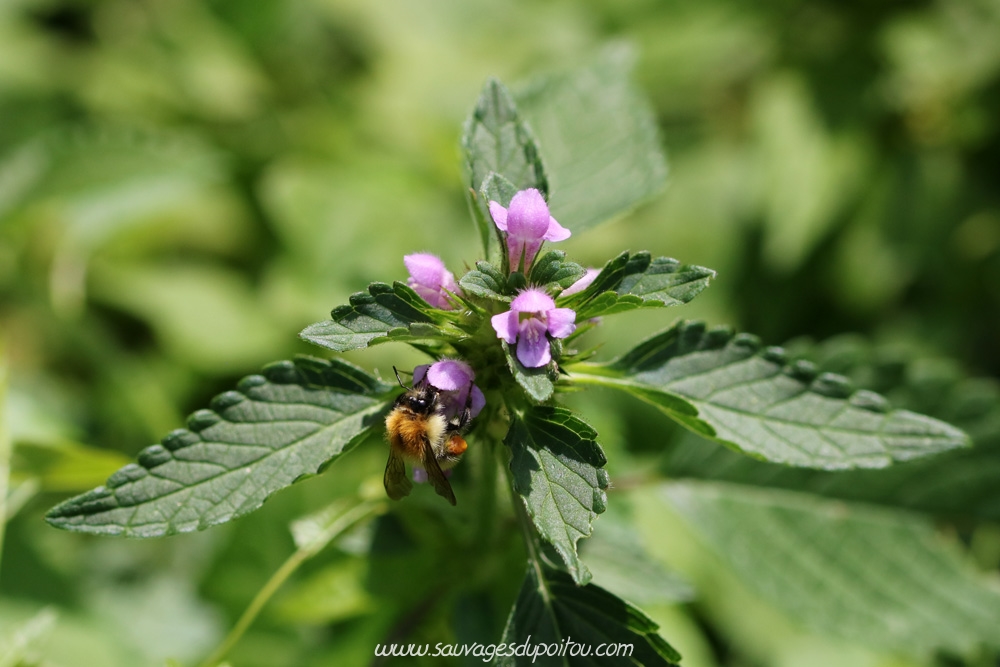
[{"x": 408, "y": 430}]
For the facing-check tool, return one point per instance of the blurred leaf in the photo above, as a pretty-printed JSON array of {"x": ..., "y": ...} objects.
[
  {"x": 639, "y": 281},
  {"x": 63, "y": 466},
  {"x": 334, "y": 593},
  {"x": 879, "y": 577},
  {"x": 728, "y": 388},
  {"x": 17, "y": 645},
  {"x": 386, "y": 313},
  {"x": 620, "y": 563},
  {"x": 496, "y": 141},
  {"x": 103, "y": 176},
  {"x": 206, "y": 315},
  {"x": 808, "y": 173},
  {"x": 557, "y": 469},
  {"x": 598, "y": 139},
  {"x": 551, "y": 609},
  {"x": 278, "y": 428}
]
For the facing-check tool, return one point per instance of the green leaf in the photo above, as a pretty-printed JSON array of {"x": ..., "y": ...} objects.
[
  {"x": 639, "y": 281},
  {"x": 484, "y": 281},
  {"x": 731, "y": 389},
  {"x": 62, "y": 466},
  {"x": 497, "y": 141},
  {"x": 386, "y": 312},
  {"x": 963, "y": 482},
  {"x": 285, "y": 424},
  {"x": 598, "y": 139},
  {"x": 620, "y": 563},
  {"x": 552, "y": 610},
  {"x": 538, "y": 383},
  {"x": 558, "y": 470},
  {"x": 884, "y": 578},
  {"x": 551, "y": 271}
]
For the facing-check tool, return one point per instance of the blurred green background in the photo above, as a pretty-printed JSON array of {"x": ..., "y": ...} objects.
[{"x": 185, "y": 185}]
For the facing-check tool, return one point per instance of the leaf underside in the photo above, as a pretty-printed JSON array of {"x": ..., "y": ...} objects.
[
  {"x": 287, "y": 423},
  {"x": 558, "y": 470},
  {"x": 731, "y": 389},
  {"x": 881, "y": 577},
  {"x": 551, "y": 609}
]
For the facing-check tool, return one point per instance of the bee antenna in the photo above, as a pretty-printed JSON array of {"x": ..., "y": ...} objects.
[{"x": 397, "y": 378}]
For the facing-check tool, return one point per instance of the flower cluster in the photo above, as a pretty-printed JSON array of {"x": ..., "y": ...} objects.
[{"x": 533, "y": 319}]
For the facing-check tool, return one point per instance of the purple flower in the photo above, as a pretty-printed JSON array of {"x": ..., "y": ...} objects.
[
  {"x": 453, "y": 380},
  {"x": 532, "y": 319},
  {"x": 430, "y": 279},
  {"x": 527, "y": 223},
  {"x": 581, "y": 284}
]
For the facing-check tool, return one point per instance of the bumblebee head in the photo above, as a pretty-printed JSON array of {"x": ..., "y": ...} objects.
[{"x": 422, "y": 399}]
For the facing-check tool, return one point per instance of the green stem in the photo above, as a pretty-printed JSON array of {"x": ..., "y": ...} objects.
[{"x": 342, "y": 523}]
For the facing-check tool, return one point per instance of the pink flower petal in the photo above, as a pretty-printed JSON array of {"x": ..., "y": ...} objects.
[
  {"x": 532, "y": 301},
  {"x": 505, "y": 324},
  {"x": 450, "y": 375},
  {"x": 561, "y": 322},
  {"x": 583, "y": 283},
  {"x": 556, "y": 232},
  {"x": 499, "y": 214},
  {"x": 425, "y": 269},
  {"x": 528, "y": 216},
  {"x": 532, "y": 345},
  {"x": 478, "y": 401},
  {"x": 419, "y": 372}
]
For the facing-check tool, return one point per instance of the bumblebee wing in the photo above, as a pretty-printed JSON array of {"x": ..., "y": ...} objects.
[
  {"x": 434, "y": 474},
  {"x": 396, "y": 483}
]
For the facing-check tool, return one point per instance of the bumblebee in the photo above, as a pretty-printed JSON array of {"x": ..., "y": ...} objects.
[{"x": 420, "y": 434}]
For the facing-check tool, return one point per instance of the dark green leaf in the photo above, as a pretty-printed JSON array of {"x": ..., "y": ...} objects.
[
  {"x": 484, "y": 281},
  {"x": 881, "y": 577},
  {"x": 552, "y": 610},
  {"x": 538, "y": 383},
  {"x": 637, "y": 281},
  {"x": 731, "y": 389},
  {"x": 598, "y": 140},
  {"x": 558, "y": 469},
  {"x": 551, "y": 270},
  {"x": 497, "y": 141},
  {"x": 283, "y": 425},
  {"x": 385, "y": 312}
]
